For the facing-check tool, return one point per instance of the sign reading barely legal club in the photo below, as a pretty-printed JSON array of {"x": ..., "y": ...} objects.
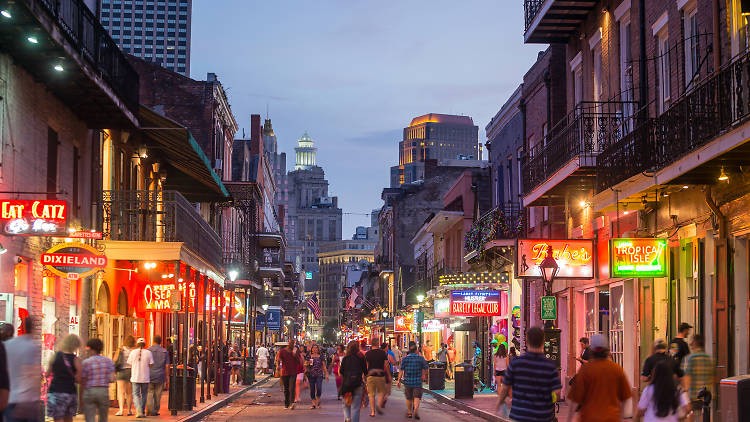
[
  {"x": 575, "y": 257},
  {"x": 475, "y": 302}
]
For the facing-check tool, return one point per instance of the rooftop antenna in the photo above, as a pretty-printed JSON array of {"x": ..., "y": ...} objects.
[{"x": 266, "y": 110}]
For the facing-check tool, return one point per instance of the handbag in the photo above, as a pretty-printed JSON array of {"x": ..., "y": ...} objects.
[{"x": 118, "y": 363}]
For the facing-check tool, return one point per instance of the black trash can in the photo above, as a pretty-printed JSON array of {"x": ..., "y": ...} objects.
[
  {"x": 175, "y": 389},
  {"x": 227, "y": 368},
  {"x": 249, "y": 376},
  {"x": 436, "y": 375},
  {"x": 464, "y": 379}
]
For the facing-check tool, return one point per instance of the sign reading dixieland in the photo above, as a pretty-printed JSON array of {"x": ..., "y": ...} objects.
[
  {"x": 575, "y": 257},
  {"x": 73, "y": 260},
  {"x": 33, "y": 217},
  {"x": 475, "y": 303},
  {"x": 644, "y": 258}
]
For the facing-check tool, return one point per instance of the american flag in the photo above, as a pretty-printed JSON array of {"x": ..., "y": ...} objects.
[{"x": 312, "y": 303}]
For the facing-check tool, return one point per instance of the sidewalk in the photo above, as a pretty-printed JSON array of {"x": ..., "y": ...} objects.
[
  {"x": 199, "y": 411},
  {"x": 483, "y": 405}
]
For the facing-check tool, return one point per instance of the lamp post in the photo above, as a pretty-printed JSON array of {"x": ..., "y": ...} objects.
[
  {"x": 420, "y": 298},
  {"x": 265, "y": 325},
  {"x": 549, "y": 269},
  {"x": 385, "y": 336}
]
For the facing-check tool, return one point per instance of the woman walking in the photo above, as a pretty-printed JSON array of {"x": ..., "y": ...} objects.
[
  {"x": 353, "y": 370},
  {"x": 300, "y": 373},
  {"x": 316, "y": 371},
  {"x": 500, "y": 363},
  {"x": 122, "y": 376},
  {"x": 337, "y": 357},
  {"x": 65, "y": 369},
  {"x": 661, "y": 401}
]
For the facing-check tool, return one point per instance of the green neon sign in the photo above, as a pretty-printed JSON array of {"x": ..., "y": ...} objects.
[{"x": 638, "y": 258}]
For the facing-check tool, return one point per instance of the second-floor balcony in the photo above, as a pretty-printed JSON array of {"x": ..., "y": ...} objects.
[
  {"x": 565, "y": 161},
  {"x": 505, "y": 222},
  {"x": 554, "y": 21},
  {"x": 270, "y": 250},
  {"x": 153, "y": 216}
]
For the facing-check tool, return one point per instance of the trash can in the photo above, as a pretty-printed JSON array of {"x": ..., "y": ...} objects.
[
  {"x": 176, "y": 389},
  {"x": 227, "y": 374},
  {"x": 436, "y": 375},
  {"x": 464, "y": 378},
  {"x": 735, "y": 398},
  {"x": 249, "y": 376}
]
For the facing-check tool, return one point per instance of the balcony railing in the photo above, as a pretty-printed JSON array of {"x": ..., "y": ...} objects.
[
  {"x": 503, "y": 222},
  {"x": 159, "y": 217},
  {"x": 82, "y": 28},
  {"x": 531, "y": 8},
  {"x": 270, "y": 258},
  {"x": 582, "y": 134},
  {"x": 716, "y": 105}
]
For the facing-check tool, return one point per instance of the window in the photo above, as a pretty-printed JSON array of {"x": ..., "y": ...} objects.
[
  {"x": 21, "y": 276},
  {"x": 576, "y": 67},
  {"x": 597, "y": 72},
  {"x": 692, "y": 47},
  {"x": 48, "y": 286},
  {"x": 664, "y": 73}
]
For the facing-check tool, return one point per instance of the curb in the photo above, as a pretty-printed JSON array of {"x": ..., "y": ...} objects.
[
  {"x": 198, "y": 415},
  {"x": 465, "y": 407}
]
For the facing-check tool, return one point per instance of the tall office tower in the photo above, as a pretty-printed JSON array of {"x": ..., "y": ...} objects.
[
  {"x": 278, "y": 165},
  {"x": 154, "y": 30}
]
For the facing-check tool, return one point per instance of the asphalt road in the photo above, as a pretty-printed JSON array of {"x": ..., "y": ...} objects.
[{"x": 266, "y": 403}]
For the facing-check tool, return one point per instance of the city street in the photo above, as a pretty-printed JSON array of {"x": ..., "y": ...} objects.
[{"x": 266, "y": 403}]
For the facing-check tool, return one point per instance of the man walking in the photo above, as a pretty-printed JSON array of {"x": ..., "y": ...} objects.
[
  {"x": 97, "y": 373},
  {"x": 533, "y": 379},
  {"x": 600, "y": 388},
  {"x": 140, "y": 361},
  {"x": 287, "y": 363},
  {"x": 699, "y": 374},
  {"x": 678, "y": 346},
  {"x": 427, "y": 351},
  {"x": 378, "y": 372},
  {"x": 659, "y": 354},
  {"x": 158, "y": 378},
  {"x": 25, "y": 357},
  {"x": 585, "y": 350},
  {"x": 262, "y": 355},
  {"x": 413, "y": 371},
  {"x": 451, "y": 360}
]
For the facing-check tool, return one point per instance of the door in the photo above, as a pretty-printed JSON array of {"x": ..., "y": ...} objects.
[{"x": 616, "y": 322}]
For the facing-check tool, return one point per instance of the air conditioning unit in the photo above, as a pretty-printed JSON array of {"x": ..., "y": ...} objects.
[{"x": 217, "y": 164}]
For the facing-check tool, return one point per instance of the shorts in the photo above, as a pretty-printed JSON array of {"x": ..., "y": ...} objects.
[
  {"x": 376, "y": 385},
  {"x": 499, "y": 373},
  {"x": 412, "y": 393},
  {"x": 61, "y": 405},
  {"x": 263, "y": 363},
  {"x": 123, "y": 374}
]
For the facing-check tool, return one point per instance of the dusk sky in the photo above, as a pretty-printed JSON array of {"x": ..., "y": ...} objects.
[{"x": 353, "y": 73}]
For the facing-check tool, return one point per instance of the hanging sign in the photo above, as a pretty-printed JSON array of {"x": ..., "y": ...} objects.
[
  {"x": 156, "y": 297},
  {"x": 73, "y": 260},
  {"x": 432, "y": 326},
  {"x": 475, "y": 302},
  {"x": 442, "y": 308},
  {"x": 638, "y": 258},
  {"x": 403, "y": 323},
  {"x": 33, "y": 217},
  {"x": 548, "y": 308},
  {"x": 575, "y": 257}
]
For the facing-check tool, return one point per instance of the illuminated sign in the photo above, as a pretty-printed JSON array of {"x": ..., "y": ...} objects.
[
  {"x": 155, "y": 297},
  {"x": 473, "y": 278},
  {"x": 475, "y": 302},
  {"x": 73, "y": 260},
  {"x": 33, "y": 217},
  {"x": 432, "y": 326},
  {"x": 442, "y": 308},
  {"x": 85, "y": 234},
  {"x": 308, "y": 275},
  {"x": 575, "y": 257},
  {"x": 403, "y": 323},
  {"x": 643, "y": 258}
]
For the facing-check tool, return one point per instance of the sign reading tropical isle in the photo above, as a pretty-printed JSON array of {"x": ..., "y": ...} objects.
[
  {"x": 73, "y": 260},
  {"x": 640, "y": 258}
]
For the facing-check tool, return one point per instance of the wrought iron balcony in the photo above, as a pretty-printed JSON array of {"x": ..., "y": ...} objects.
[
  {"x": 554, "y": 21},
  {"x": 502, "y": 222},
  {"x": 574, "y": 143},
  {"x": 150, "y": 216},
  {"x": 270, "y": 247}
]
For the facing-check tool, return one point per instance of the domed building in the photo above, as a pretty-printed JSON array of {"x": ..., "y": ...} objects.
[{"x": 305, "y": 153}]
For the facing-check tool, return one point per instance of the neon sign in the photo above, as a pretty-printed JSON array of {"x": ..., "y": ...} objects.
[
  {"x": 403, "y": 323},
  {"x": 575, "y": 257},
  {"x": 475, "y": 302},
  {"x": 73, "y": 260},
  {"x": 33, "y": 217},
  {"x": 156, "y": 296},
  {"x": 640, "y": 258}
]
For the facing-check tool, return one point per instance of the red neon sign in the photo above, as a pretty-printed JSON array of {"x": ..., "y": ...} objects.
[
  {"x": 575, "y": 257},
  {"x": 155, "y": 297},
  {"x": 35, "y": 217}
]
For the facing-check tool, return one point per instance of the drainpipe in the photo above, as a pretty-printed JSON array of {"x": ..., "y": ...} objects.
[
  {"x": 716, "y": 38},
  {"x": 716, "y": 212},
  {"x": 642, "y": 47}
]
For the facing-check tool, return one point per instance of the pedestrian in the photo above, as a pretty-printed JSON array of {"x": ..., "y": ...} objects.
[
  {"x": 678, "y": 346},
  {"x": 140, "y": 361},
  {"x": 600, "y": 388},
  {"x": 158, "y": 379},
  {"x": 65, "y": 369},
  {"x": 122, "y": 376},
  {"x": 427, "y": 351},
  {"x": 235, "y": 360},
  {"x": 24, "y": 354},
  {"x": 699, "y": 374},
  {"x": 659, "y": 354},
  {"x": 585, "y": 350},
  {"x": 301, "y": 378},
  {"x": 413, "y": 371},
  {"x": 661, "y": 400},
  {"x": 353, "y": 370},
  {"x": 476, "y": 362},
  {"x": 393, "y": 365},
  {"x": 262, "y": 355},
  {"x": 6, "y": 331},
  {"x": 442, "y": 354},
  {"x": 499, "y": 364},
  {"x": 378, "y": 373},
  {"x": 316, "y": 371},
  {"x": 451, "y": 359},
  {"x": 97, "y": 372},
  {"x": 337, "y": 357},
  {"x": 286, "y": 365},
  {"x": 512, "y": 353},
  {"x": 534, "y": 380},
  {"x": 4, "y": 380}
]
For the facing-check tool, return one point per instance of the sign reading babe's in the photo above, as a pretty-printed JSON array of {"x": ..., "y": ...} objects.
[
  {"x": 73, "y": 260},
  {"x": 33, "y": 217},
  {"x": 639, "y": 258},
  {"x": 575, "y": 257},
  {"x": 475, "y": 302}
]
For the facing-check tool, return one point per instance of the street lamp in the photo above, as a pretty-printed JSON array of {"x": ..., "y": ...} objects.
[
  {"x": 549, "y": 269},
  {"x": 265, "y": 326},
  {"x": 385, "y": 336},
  {"x": 233, "y": 275},
  {"x": 420, "y": 298}
]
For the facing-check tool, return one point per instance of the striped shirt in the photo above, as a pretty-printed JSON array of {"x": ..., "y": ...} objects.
[
  {"x": 533, "y": 378},
  {"x": 98, "y": 371},
  {"x": 700, "y": 367}
]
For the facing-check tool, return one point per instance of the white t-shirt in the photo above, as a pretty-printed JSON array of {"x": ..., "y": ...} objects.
[
  {"x": 24, "y": 367},
  {"x": 262, "y": 353},
  {"x": 140, "y": 361},
  {"x": 646, "y": 403}
]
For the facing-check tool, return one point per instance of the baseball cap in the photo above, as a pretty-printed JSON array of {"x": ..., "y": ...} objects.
[
  {"x": 141, "y": 340},
  {"x": 598, "y": 342},
  {"x": 684, "y": 326}
]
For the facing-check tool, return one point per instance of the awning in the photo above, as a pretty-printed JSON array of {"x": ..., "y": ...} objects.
[{"x": 187, "y": 160}]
